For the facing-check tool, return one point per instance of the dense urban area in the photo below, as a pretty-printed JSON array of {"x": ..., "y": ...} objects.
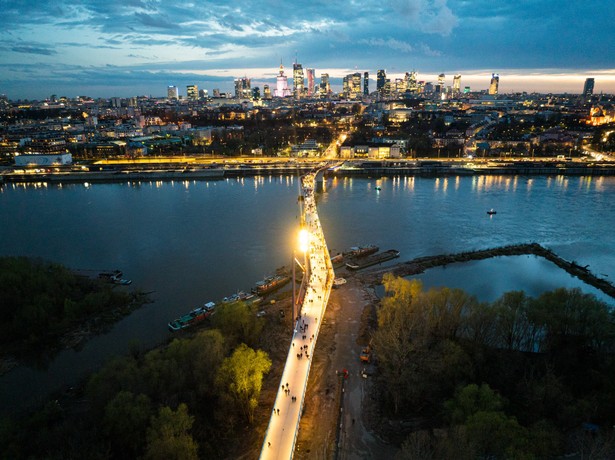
[{"x": 401, "y": 119}]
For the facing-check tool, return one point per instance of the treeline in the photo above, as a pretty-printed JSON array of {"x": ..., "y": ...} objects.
[
  {"x": 186, "y": 400},
  {"x": 40, "y": 300},
  {"x": 520, "y": 377}
]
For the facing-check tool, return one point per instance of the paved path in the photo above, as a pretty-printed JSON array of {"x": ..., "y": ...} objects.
[{"x": 281, "y": 433}]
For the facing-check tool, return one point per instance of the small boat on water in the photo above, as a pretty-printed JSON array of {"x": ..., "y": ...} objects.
[
  {"x": 195, "y": 316},
  {"x": 269, "y": 284},
  {"x": 491, "y": 212},
  {"x": 241, "y": 296},
  {"x": 378, "y": 188}
]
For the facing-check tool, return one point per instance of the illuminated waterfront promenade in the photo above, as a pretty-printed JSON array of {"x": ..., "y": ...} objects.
[{"x": 281, "y": 434}]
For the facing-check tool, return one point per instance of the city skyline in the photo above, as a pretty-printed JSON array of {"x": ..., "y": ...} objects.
[{"x": 126, "y": 49}]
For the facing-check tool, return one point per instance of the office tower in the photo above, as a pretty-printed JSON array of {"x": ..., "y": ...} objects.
[
  {"x": 345, "y": 86},
  {"x": 216, "y": 92},
  {"x": 298, "y": 80},
  {"x": 311, "y": 80},
  {"x": 466, "y": 90},
  {"x": 400, "y": 85},
  {"x": 266, "y": 92},
  {"x": 441, "y": 80},
  {"x": 242, "y": 88},
  {"x": 203, "y": 93},
  {"x": 355, "y": 86},
  {"x": 325, "y": 87},
  {"x": 172, "y": 92},
  {"x": 281, "y": 89},
  {"x": 192, "y": 92},
  {"x": 381, "y": 81},
  {"x": 588, "y": 88},
  {"x": 366, "y": 83},
  {"x": 411, "y": 82},
  {"x": 256, "y": 93},
  {"x": 456, "y": 84},
  {"x": 495, "y": 82}
]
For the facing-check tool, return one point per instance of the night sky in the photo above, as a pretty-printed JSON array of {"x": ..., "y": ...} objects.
[{"x": 139, "y": 47}]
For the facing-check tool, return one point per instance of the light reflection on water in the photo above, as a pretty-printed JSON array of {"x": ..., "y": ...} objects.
[{"x": 196, "y": 241}]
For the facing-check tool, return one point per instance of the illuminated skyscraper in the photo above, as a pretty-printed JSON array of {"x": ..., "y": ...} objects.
[
  {"x": 266, "y": 92},
  {"x": 495, "y": 82},
  {"x": 325, "y": 87},
  {"x": 588, "y": 88},
  {"x": 456, "y": 84},
  {"x": 381, "y": 81},
  {"x": 242, "y": 88},
  {"x": 192, "y": 92},
  {"x": 281, "y": 89},
  {"x": 412, "y": 83},
  {"x": 366, "y": 83},
  {"x": 441, "y": 80},
  {"x": 172, "y": 92},
  {"x": 311, "y": 81},
  {"x": 298, "y": 80}
]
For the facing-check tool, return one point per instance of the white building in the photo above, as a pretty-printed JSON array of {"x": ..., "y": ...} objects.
[{"x": 42, "y": 159}]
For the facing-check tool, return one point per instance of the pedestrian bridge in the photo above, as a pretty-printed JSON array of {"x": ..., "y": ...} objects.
[{"x": 283, "y": 428}]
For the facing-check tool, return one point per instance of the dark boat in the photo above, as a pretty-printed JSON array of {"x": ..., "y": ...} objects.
[
  {"x": 361, "y": 251},
  {"x": 195, "y": 316},
  {"x": 373, "y": 259},
  {"x": 491, "y": 212},
  {"x": 270, "y": 283}
]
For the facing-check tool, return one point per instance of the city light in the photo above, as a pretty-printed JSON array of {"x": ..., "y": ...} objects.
[{"x": 304, "y": 240}]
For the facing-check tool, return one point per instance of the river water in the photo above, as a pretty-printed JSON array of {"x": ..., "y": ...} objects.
[{"x": 191, "y": 242}]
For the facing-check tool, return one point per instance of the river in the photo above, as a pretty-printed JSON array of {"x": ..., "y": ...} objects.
[{"x": 191, "y": 242}]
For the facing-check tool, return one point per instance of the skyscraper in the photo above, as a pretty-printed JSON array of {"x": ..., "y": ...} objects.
[
  {"x": 172, "y": 92},
  {"x": 495, "y": 82},
  {"x": 192, "y": 92},
  {"x": 242, "y": 88},
  {"x": 311, "y": 81},
  {"x": 266, "y": 92},
  {"x": 366, "y": 83},
  {"x": 456, "y": 84},
  {"x": 298, "y": 80},
  {"x": 381, "y": 81},
  {"x": 588, "y": 88},
  {"x": 281, "y": 89},
  {"x": 441, "y": 80},
  {"x": 325, "y": 87}
]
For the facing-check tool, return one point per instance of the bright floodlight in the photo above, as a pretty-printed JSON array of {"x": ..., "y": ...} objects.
[{"x": 303, "y": 240}]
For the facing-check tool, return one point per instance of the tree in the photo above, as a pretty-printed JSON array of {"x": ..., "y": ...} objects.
[
  {"x": 125, "y": 422},
  {"x": 238, "y": 322},
  {"x": 168, "y": 436},
  {"x": 241, "y": 376}
]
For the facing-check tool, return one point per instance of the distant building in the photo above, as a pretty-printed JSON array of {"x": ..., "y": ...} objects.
[
  {"x": 325, "y": 86},
  {"x": 456, "y": 84},
  {"x": 381, "y": 81},
  {"x": 441, "y": 80},
  {"x": 311, "y": 81},
  {"x": 298, "y": 80},
  {"x": 172, "y": 92},
  {"x": 588, "y": 88},
  {"x": 203, "y": 94},
  {"x": 281, "y": 89},
  {"x": 216, "y": 92},
  {"x": 495, "y": 82},
  {"x": 40, "y": 159},
  {"x": 366, "y": 83},
  {"x": 242, "y": 88},
  {"x": 192, "y": 92},
  {"x": 266, "y": 92}
]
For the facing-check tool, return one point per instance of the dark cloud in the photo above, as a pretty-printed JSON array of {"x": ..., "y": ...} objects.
[{"x": 32, "y": 49}]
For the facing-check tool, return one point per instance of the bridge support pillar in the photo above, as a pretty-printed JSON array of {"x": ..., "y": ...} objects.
[{"x": 320, "y": 181}]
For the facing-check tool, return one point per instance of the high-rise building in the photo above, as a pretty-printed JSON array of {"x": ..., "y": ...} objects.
[
  {"x": 366, "y": 83},
  {"x": 203, "y": 94},
  {"x": 281, "y": 88},
  {"x": 172, "y": 92},
  {"x": 298, "y": 80},
  {"x": 325, "y": 86},
  {"x": 495, "y": 82},
  {"x": 266, "y": 92},
  {"x": 256, "y": 93},
  {"x": 311, "y": 81},
  {"x": 242, "y": 88},
  {"x": 441, "y": 80},
  {"x": 381, "y": 81},
  {"x": 192, "y": 92},
  {"x": 217, "y": 92},
  {"x": 456, "y": 84},
  {"x": 411, "y": 82},
  {"x": 588, "y": 88}
]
